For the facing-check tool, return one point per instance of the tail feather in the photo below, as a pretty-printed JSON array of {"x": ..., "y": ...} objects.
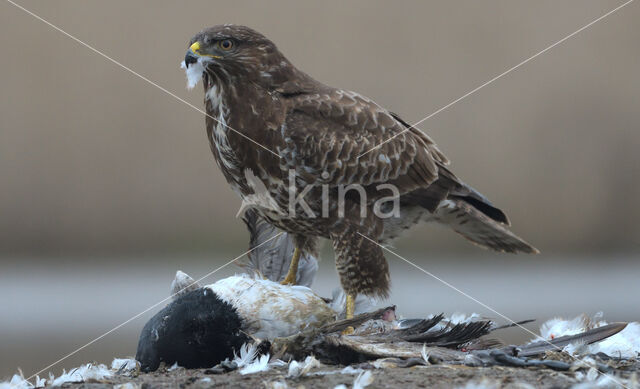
[
  {"x": 473, "y": 224},
  {"x": 272, "y": 259}
]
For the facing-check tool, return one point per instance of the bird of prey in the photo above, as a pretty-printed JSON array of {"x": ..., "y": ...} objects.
[{"x": 308, "y": 143}]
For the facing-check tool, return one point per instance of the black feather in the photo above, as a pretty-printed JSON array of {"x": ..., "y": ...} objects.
[
  {"x": 196, "y": 330},
  {"x": 485, "y": 207}
]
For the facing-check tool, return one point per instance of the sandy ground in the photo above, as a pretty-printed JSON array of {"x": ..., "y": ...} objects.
[{"x": 435, "y": 376}]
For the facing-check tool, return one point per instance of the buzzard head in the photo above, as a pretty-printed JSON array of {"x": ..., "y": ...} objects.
[{"x": 229, "y": 54}]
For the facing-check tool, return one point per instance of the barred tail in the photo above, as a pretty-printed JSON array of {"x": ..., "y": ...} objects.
[{"x": 476, "y": 226}]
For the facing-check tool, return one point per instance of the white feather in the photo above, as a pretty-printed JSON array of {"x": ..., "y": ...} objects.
[
  {"x": 193, "y": 72},
  {"x": 17, "y": 382},
  {"x": 363, "y": 380},
  {"x": 269, "y": 309},
  {"x": 40, "y": 382},
  {"x": 173, "y": 367},
  {"x": 124, "y": 364},
  {"x": 298, "y": 369},
  {"x": 425, "y": 354},
  {"x": 259, "y": 364},
  {"x": 82, "y": 374},
  {"x": 248, "y": 353},
  {"x": 625, "y": 344},
  {"x": 459, "y": 317}
]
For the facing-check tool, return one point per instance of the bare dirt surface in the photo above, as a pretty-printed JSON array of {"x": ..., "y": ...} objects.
[{"x": 435, "y": 376}]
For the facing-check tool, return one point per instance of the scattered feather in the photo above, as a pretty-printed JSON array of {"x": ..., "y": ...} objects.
[
  {"x": 248, "y": 353},
  {"x": 459, "y": 317},
  {"x": 625, "y": 344},
  {"x": 17, "y": 382},
  {"x": 363, "y": 380},
  {"x": 124, "y": 365},
  {"x": 40, "y": 382},
  {"x": 351, "y": 370},
  {"x": 259, "y": 364},
  {"x": 298, "y": 369},
  {"x": 173, "y": 367},
  {"x": 425, "y": 354},
  {"x": 277, "y": 363},
  {"x": 557, "y": 327},
  {"x": 84, "y": 373}
]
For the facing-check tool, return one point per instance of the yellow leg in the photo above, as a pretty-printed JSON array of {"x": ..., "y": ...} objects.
[
  {"x": 291, "y": 277},
  {"x": 350, "y": 306},
  {"x": 350, "y": 309}
]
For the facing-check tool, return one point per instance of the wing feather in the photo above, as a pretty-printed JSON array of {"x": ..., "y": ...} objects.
[{"x": 333, "y": 132}]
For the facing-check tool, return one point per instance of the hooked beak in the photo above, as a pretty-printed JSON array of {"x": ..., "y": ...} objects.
[
  {"x": 192, "y": 54},
  {"x": 190, "y": 58}
]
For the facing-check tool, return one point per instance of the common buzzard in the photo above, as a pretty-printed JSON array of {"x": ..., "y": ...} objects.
[{"x": 308, "y": 145}]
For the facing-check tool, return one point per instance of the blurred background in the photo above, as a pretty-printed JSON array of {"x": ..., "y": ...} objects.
[{"x": 108, "y": 185}]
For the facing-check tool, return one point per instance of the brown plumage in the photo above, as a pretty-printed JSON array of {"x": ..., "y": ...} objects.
[{"x": 253, "y": 94}]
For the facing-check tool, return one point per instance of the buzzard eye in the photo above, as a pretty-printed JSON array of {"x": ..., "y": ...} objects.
[{"x": 226, "y": 44}]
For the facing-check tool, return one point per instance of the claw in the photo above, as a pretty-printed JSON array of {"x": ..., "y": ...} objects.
[
  {"x": 292, "y": 274},
  {"x": 348, "y": 331},
  {"x": 288, "y": 280}
]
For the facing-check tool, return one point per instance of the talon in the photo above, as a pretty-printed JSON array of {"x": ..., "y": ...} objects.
[
  {"x": 348, "y": 331},
  {"x": 291, "y": 277},
  {"x": 288, "y": 280}
]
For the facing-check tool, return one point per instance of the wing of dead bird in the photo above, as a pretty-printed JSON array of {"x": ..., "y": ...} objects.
[
  {"x": 424, "y": 340},
  {"x": 272, "y": 259},
  {"x": 398, "y": 349},
  {"x": 429, "y": 332},
  {"x": 587, "y": 337}
]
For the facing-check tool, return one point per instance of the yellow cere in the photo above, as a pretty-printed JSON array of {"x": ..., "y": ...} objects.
[{"x": 195, "y": 48}]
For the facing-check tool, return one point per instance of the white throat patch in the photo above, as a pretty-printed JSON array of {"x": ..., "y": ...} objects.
[{"x": 193, "y": 72}]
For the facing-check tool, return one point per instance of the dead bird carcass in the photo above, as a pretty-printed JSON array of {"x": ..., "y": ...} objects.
[{"x": 204, "y": 325}]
